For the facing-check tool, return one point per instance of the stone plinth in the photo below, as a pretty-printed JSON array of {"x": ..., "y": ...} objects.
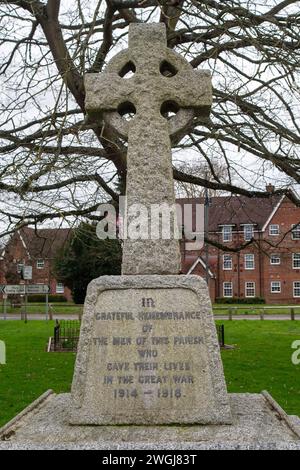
[
  {"x": 148, "y": 354},
  {"x": 258, "y": 423}
]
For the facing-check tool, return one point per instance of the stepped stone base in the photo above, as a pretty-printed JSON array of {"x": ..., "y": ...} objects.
[{"x": 258, "y": 423}]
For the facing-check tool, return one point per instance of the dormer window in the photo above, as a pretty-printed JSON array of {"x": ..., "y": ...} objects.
[
  {"x": 248, "y": 232},
  {"x": 227, "y": 233}
]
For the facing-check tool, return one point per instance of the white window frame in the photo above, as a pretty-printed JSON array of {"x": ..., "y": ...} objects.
[
  {"x": 228, "y": 233},
  {"x": 229, "y": 260},
  {"x": 295, "y": 229},
  {"x": 20, "y": 267},
  {"x": 252, "y": 288},
  {"x": 245, "y": 261},
  {"x": 271, "y": 228},
  {"x": 59, "y": 288},
  {"x": 229, "y": 283},
  {"x": 275, "y": 291},
  {"x": 295, "y": 260},
  {"x": 247, "y": 238},
  {"x": 278, "y": 257},
  {"x": 40, "y": 263},
  {"x": 294, "y": 287}
]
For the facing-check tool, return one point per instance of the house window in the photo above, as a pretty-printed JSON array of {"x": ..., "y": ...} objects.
[
  {"x": 20, "y": 267},
  {"x": 296, "y": 232},
  {"x": 296, "y": 260},
  {"x": 275, "y": 259},
  {"x": 296, "y": 288},
  {"x": 40, "y": 264},
  {"x": 227, "y": 233},
  {"x": 274, "y": 229},
  {"x": 227, "y": 262},
  {"x": 249, "y": 261},
  {"x": 250, "y": 289},
  {"x": 60, "y": 288},
  {"x": 248, "y": 232},
  {"x": 275, "y": 287},
  {"x": 227, "y": 289}
]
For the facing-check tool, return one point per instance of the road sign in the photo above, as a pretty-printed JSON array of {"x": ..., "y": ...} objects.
[
  {"x": 37, "y": 289},
  {"x": 27, "y": 273},
  {"x": 14, "y": 289},
  {"x": 21, "y": 289}
]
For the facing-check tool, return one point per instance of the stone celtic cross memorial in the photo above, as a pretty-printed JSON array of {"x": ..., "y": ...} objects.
[{"x": 148, "y": 351}]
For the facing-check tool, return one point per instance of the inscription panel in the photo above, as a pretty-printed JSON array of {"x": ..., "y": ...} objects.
[{"x": 147, "y": 352}]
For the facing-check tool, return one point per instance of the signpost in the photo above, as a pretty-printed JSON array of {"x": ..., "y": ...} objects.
[
  {"x": 17, "y": 289},
  {"x": 23, "y": 289},
  {"x": 37, "y": 289},
  {"x": 27, "y": 273}
]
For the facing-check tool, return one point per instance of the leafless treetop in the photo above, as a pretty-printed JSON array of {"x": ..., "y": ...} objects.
[{"x": 56, "y": 164}]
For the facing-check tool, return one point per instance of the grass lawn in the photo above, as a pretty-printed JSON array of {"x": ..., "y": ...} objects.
[
  {"x": 29, "y": 370},
  {"x": 261, "y": 360}
]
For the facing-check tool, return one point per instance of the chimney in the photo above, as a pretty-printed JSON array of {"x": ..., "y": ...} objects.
[{"x": 270, "y": 188}]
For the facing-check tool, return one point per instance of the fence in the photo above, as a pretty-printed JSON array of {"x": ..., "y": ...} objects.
[
  {"x": 66, "y": 336},
  {"x": 290, "y": 312}
]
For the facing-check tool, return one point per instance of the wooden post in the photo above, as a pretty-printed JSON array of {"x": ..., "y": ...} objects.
[
  {"x": 292, "y": 314},
  {"x": 47, "y": 307},
  {"x": 262, "y": 314},
  {"x": 230, "y": 314},
  {"x": 4, "y": 305}
]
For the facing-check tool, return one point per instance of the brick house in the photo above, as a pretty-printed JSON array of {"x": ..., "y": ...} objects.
[
  {"x": 36, "y": 248},
  {"x": 268, "y": 266}
]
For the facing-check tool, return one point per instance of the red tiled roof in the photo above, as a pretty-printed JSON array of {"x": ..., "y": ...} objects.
[
  {"x": 44, "y": 243},
  {"x": 236, "y": 210}
]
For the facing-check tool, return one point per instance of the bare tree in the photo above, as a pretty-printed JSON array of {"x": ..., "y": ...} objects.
[
  {"x": 199, "y": 169},
  {"x": 56, "y": 164}
]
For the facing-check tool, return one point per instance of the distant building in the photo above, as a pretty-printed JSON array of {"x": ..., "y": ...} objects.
[
  {"x": 268, "y": 266},
  {"x": 36, "y": 248}
]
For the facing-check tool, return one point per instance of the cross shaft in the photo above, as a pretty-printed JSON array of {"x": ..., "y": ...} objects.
[{"x": 162, "y": 81}]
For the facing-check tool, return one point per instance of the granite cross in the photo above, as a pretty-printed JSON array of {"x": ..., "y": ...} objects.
[{"x": 161, "y": 82}]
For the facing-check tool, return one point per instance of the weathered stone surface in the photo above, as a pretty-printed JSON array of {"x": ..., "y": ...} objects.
[
  {"x": 148, "y": 353},
  {"x": 149, "y": 159},
  {"x": 255, "y": 426}
]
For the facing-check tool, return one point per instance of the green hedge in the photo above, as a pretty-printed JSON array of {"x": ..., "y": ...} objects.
[
  {"x": 236, "y": 300},
  {"x": 41, "y": 298}
]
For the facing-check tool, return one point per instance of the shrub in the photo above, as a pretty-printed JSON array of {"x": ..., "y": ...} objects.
[
  {"x": 237, "y": 300},
  {"x": 41, "y": 298}
]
